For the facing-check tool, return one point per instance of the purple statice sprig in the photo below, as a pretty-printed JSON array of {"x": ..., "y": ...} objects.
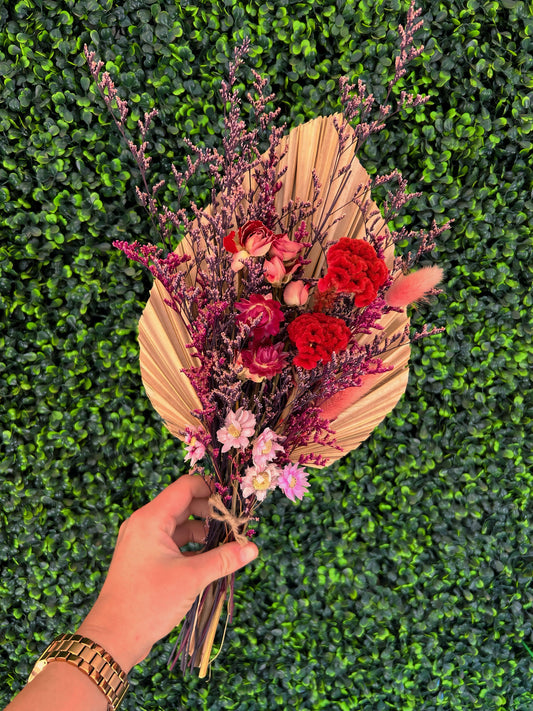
[
  {"x": 309, "y": 427},
  {"x": 358, "y": 105},
  {"x": 426, "y": 243},
  {"x": 119, "y": 111},
  {"x": 239, "y": 157},
  {"x": 356, "y": 127},
  {"x": 165, "y": 269},
  {"x": 425, "y": 333},
  {"x": 408, "y": 51}
]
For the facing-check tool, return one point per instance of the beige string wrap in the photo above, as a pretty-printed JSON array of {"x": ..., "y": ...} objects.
[{"x": 219, "y": 512}]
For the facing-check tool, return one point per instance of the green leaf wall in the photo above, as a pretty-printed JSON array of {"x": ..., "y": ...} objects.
[{"x": 404, "y": 581}]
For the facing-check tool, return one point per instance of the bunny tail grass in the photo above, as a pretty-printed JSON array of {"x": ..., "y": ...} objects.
[
  {"x": 413, "y": 287},
  {"x": 341, "y": 401}
]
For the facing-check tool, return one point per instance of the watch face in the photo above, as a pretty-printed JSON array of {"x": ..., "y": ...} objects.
[{"x": 37, "y": 669}]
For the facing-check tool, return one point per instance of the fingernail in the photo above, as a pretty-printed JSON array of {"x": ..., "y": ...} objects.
[{"x": 248, "y": 553}]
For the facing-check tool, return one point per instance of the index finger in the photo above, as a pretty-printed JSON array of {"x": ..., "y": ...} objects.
[{"x": 175, "y": 501}]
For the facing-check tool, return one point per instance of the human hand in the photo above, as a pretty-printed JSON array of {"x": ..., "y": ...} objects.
[{"x": 151, "y": 584}]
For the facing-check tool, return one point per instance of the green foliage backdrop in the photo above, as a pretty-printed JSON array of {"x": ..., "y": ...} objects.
[{"x": 404, "y": 581}]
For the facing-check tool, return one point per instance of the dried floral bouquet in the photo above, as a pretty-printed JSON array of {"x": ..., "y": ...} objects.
[{"x": 276, "y": 336}]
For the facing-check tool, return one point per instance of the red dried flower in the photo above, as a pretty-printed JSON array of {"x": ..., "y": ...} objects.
[
  {"x": 254, "y": 237},
  {"x": 317, "y": 336},
  {"x": 264, "y": 307},
  {"x": 263, "y": 361},
  {"x": 354, "y": 268}
]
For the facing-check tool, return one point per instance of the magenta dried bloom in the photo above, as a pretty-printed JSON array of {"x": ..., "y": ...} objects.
[
  {"x": 293, "y": 482},
  {"x": 264, "y": 308},
  {"x": 263, "y": 361}
]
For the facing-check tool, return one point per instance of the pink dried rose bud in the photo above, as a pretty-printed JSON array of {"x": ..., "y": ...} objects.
[
  {"x": 284, "y": 248},
  {"x": 276, "y": 272},
  {"x": 296, "y": 293}
]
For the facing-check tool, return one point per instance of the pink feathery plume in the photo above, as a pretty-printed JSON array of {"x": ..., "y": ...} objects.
[
  {"x": 341, "y": 401},
  {"x": 413, "y": 287}
]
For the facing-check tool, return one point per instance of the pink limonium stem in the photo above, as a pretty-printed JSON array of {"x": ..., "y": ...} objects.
[{"x": 410, "y": 288}]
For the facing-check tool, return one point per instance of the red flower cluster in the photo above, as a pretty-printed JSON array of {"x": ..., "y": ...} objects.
[
  {"x": 317, "y": 336},
  {"x": 262, "y": 359},
  {"x": 354, "y": 268}
]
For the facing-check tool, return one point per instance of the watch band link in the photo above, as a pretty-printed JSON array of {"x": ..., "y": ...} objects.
[{"x": 90, "y": 658}]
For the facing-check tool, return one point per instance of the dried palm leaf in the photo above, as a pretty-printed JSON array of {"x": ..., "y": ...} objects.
[{"x": 163, "y": 333}]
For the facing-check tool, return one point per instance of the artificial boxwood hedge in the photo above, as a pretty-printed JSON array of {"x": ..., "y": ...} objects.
[{"x": 404, "y": 580}]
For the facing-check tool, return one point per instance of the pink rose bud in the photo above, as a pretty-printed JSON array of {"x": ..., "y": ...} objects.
[
  {"x": 256, "y": 238},
  {"x": 296, "y": 293},
  {"x": 284, "y": 248},
  {"x": 275, "y": 271}
]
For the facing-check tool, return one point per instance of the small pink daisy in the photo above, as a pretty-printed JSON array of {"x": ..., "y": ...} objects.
[
  {"x": 293, "y": 482},
  {"x": 259, "y": 481},
  {"x": 266, "y": 447},
  {"x": 194, "y": 448},
  {"x": 239, "y": 427}
]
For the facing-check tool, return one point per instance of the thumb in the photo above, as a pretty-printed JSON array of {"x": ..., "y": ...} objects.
[{"x": 224, "y": 560}]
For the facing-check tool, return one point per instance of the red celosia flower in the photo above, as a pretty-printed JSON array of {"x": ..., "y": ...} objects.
[
  {"x": 354, "y": 268},
  {"x": 264, "y": 307},
  {"x": 317, "y": 336}
]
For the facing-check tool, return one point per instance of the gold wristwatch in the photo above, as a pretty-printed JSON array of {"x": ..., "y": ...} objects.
[{"x": 90, "y": 658}]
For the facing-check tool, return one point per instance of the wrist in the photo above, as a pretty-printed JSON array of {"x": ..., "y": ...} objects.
[
  {"x": 105, "y": 626},
  {"x": 95, "y": 671}
]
